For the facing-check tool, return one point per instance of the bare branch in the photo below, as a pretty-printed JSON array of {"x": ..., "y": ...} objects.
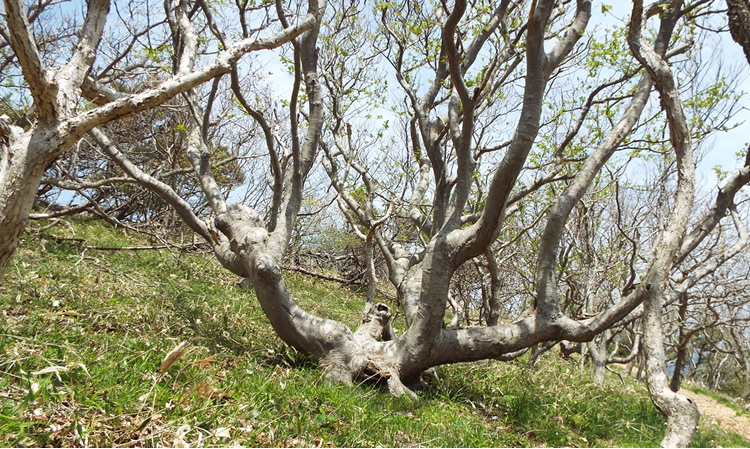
[
  {"x": 184, "y": 82},
  {"x": 24, "y": 46},
  {"x": 163, "y": 190}
]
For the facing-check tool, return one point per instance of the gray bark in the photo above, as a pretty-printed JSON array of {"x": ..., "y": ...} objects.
[
  {"x": 493, "y": 314},
  {"x": 599, "y": 351},
  {"x": 254, "y": 249},
  {"x": 681, "y": 414},
  {"x": 20, "y": 175}
]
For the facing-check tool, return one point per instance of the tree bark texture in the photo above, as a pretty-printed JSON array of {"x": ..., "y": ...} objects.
[
  {"x": 448, "y": 238},
  {"x": 739, "y": 23},
  {"x": 599, "y": 351},
  {"x": 682, "y": 346},
  {"x": 19, "y": 180}
]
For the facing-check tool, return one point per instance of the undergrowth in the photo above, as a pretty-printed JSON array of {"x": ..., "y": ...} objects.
[{"x": 83, "y": 333}]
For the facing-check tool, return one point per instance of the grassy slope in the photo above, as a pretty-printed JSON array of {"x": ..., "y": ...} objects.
[{"x": 83, "y": 332}]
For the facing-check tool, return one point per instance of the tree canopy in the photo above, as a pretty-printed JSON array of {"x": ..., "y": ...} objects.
[{"x": 523, "y": 173}]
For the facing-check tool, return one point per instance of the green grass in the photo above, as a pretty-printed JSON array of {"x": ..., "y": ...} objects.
[{"x": 82, "y": 334}]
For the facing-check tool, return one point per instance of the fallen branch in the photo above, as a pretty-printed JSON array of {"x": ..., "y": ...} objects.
[
  {"x": 193, "y": 246},
  {"x": 145, "y": 248},
  {"x": 327, "y": 277},
  {"x": 322, "y": 276},
  {"x": 61, "y": 212},
  {"x": 54, "y": 222}
]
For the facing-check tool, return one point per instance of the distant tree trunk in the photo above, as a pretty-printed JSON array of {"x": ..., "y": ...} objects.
[
  {"x": 534, "y": 356},
  {"x": 716, "y": 375},
  {"x": 372, "y": 277},
  {"x": 537, "y": 350},
  {"x": 582, "y": 362},
  {"x": 639, "y": 373},
  {"x": 682, "y": 345},
  {"x": 741, "y": 354},
  {"x": 598, "y": 350},
  {"x": 629, "y": 367},
  {"x": 458, "y": 313},
  {"x": 493, "y": 314}
]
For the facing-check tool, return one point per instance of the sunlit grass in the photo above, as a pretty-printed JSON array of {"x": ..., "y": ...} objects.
[{"x": 83, "y": 332}]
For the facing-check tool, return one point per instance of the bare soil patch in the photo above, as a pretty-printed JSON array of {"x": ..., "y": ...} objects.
[{"x": 720, "y": 414}]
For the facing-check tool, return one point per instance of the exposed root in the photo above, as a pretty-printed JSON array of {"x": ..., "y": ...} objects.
[
  {"x": 338, "y": 375},
  {"x": 430, "y": 373},
  {"x": 398, "y": 389},
  {"x": 345, "y": 365}
]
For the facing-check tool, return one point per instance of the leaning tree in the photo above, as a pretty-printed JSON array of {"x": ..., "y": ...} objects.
[{"x": 482, "y": 140}]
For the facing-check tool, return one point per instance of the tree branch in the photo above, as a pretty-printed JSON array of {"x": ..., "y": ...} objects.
[
  {"x": 180, "y": 83},
  {"x": 24, "y": 47}
]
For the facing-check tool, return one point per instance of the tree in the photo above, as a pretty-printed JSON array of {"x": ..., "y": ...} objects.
[
  {"x": 56, "y": 89},
  {"x": 489, "y": 165}
]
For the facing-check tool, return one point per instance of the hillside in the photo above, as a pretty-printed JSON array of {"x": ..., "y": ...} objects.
[{"x": 83, "y": 332}]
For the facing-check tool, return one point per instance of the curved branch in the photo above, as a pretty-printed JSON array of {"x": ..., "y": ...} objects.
[
  {"x": 24, "y": 46},
  {"x": 164, "y": 191},
  {"x": 538, "y": 66},
  {"x": 273, "y": 155},
  {"x": 92, "y": 118},
  {"x": 681, "y": 415}
]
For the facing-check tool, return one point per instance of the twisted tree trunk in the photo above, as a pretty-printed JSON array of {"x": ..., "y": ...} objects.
[{"x": 680, "y": 412}]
